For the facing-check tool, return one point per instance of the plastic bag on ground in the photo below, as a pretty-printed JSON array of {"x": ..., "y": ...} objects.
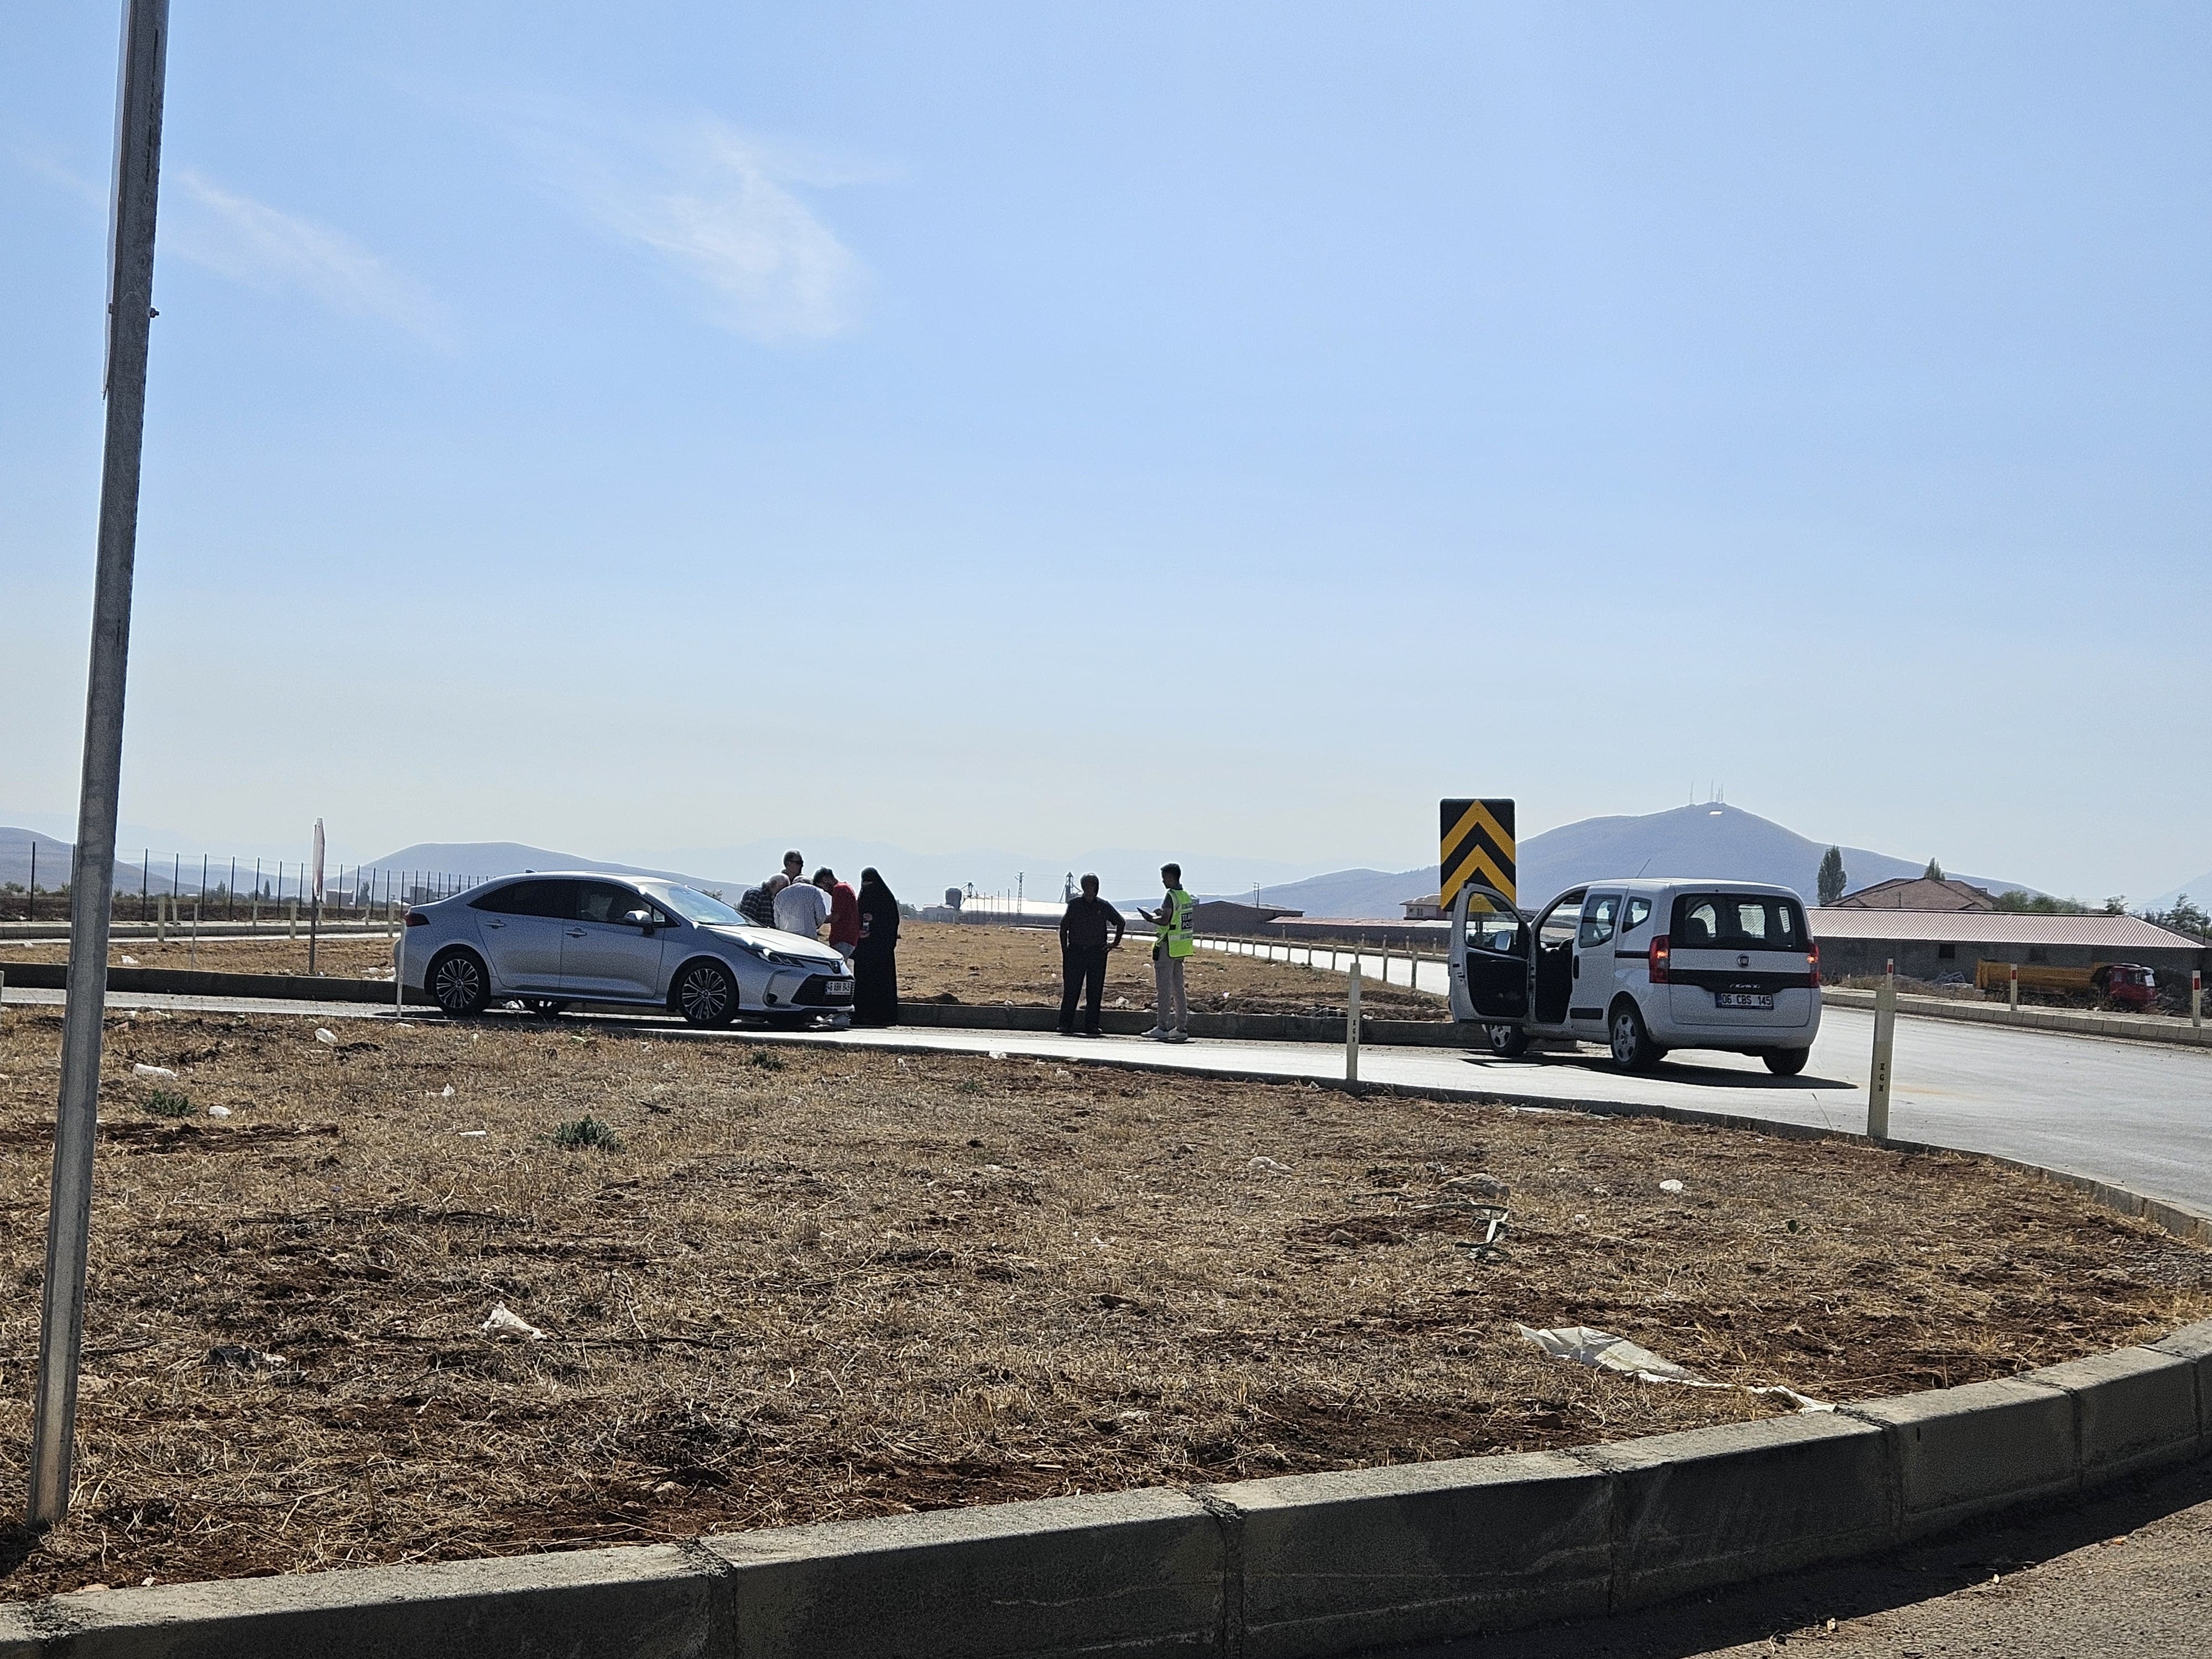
[
  {"x": 323, "y": 1034},
  {"x": 510, "y": 1326},
  {"x": 218, "y": 1111},
  {"x": 141, "y": 1069},
  {"x": 1601, "y": 1351}
]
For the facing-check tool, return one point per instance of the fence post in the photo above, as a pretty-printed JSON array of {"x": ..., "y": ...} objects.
[
  {"x": 192, "y": 956},
  {"x": 1885, "y": 1032},
  {"x": 161, "y": 920},
  {"x": 1352, "y": 1025}
]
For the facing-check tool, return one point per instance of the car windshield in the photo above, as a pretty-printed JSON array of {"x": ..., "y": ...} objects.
[
  {"x": 694, "y": 907},
  {"x": 1737, "y": 921}
]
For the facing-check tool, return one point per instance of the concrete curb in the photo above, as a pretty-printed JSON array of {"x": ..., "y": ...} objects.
[{"x": 2075, "y": 1022}]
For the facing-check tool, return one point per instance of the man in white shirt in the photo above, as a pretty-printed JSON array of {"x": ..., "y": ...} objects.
[{"x": 802, "y": 908}]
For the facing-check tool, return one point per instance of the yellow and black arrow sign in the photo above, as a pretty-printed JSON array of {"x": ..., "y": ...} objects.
[{"x": 1475, "y": 845}]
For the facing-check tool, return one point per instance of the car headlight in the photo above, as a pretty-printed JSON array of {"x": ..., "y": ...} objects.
[{"x": 774, "y": 956}]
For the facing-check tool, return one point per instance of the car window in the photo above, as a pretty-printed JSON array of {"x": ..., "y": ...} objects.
[
  {"x": 1599, "y": 910},
  {"x": 1731, "y": 921},
  {"x": 524, "y": 898},
  {"x": 602, "y": 901},
  {"x": 1558, "y": 924},
  {"x": 694, "y": 906},
  {"x": 1638, "y": 913},
  {"x": 1496, "y": 931}
]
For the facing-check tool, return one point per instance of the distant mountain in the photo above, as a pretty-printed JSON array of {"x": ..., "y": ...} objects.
[
  {"x": 1711, "y": 839},
  {"x": 916, "y": 877},
  {"x": 474, "y": 860},
  {"x": 54, "y": 860},
  {"x": 2197, "y": 892}
]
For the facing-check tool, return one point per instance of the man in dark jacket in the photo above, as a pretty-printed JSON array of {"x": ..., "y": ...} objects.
[{"x": 1083, "y": 947}]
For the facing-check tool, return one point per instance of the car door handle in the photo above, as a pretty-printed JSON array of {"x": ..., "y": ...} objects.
[
  {"x": 578, "y": 932},
  {"x": 1575, "y": 970},
  {"x": 495, "y": 925}
]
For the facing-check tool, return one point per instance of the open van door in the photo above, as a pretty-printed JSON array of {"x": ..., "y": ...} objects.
[{"x": 1489, "y": 957}]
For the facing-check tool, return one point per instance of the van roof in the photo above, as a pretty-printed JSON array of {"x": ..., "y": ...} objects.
[{"x": 1685, "y": 883}]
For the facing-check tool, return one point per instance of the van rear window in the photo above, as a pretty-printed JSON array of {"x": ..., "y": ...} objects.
[{"x": 1737, "y": 921}]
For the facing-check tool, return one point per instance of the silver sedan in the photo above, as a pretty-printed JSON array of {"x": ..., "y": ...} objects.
[{"x": 552, "y": 938}]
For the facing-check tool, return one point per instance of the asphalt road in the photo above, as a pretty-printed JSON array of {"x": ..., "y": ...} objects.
[{"x": 2137, "y": 1115}]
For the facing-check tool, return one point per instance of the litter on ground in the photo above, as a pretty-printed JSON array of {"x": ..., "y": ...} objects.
[
  {"x": 1671, "y": 1186},
  {"x": 141, "y": 1069},
  {"x": 1603, "y": 1351},
  {"x": 323, "y": 1034},
  {"x": 509, "y": 1326}
]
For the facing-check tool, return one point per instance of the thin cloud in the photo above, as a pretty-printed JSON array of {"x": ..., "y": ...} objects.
[
  {"x": 716, "y": 206},
  {"x": 266, "y": 248}
]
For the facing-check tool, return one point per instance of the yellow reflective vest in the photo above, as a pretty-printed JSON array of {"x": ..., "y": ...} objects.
[{"x": 1174, "y": 926}]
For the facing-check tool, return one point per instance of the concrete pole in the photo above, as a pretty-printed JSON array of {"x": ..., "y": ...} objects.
[
  {"x": 1885, "y": 1033},
  {"x": 2197, "y": 999},
  {"x": 130, "y": 336},
  {"x": 192, "y": 956},
  {"x": 2012, "y": 987},
  {"x": 1351, "y": 1025}
]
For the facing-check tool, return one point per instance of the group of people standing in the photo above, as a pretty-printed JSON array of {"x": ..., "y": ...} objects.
[
  {"x": 864, "y": 928},
  {"x": 1085, "y": 927}
]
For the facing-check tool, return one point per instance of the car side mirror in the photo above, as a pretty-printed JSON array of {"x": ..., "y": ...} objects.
[{"x": 639, "y": 918}]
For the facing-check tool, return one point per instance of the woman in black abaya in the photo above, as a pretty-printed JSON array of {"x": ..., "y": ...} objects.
[{"x": 875, "y": 959}]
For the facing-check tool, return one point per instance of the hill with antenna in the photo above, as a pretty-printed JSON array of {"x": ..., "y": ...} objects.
[{"x": 1708, "y": 839}]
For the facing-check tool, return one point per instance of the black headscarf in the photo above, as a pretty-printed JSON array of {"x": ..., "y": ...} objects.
[{"x": 879, "y": 910}]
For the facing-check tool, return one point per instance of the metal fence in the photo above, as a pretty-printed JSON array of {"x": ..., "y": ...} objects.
[{"x": 235, "y": 890}]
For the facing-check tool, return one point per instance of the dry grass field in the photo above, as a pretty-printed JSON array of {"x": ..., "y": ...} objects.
[
  {"x": 338, "y": 956},
  {"x": 938, "y": 961},
  {"x": 801, "y": 1282}
]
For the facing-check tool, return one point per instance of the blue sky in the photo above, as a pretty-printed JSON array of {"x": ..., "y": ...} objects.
[{"x": 1225, "y": 428}]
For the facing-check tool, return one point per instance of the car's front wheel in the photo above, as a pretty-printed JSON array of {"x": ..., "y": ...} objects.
[
  {"x": 1506, "y": 1041},
  {"x": 1633, "y": 1049},
  {"x": 1786, "y": 1062},
  {"x": 459, "y": 984},
  {"x": 705, "y": 994}
]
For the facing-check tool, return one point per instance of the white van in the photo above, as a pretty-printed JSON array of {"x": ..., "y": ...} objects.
[{"x": 1642, "y": 967}]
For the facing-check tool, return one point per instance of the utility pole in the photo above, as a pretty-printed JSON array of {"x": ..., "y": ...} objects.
[{"x": 130, "y": 331}]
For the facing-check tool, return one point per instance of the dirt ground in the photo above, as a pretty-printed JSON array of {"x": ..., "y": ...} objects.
[
  {"x": 340, "y": 957},
  {"x": 938, "y": 961},
  {"x": 811, "y": 1283},
  {"x": 947, "y": 962}
]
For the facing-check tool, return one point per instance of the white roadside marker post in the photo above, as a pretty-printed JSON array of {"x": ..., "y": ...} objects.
[
  {"x": 2197, "y": 999},
  {"x": 2012, "y": 988},
  {"x": 1351, "y": 1025},
  {"x": 1884, "y": 1032}
]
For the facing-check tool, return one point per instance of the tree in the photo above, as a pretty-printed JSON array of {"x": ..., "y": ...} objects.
[
  {"x": 1832, "y": 880},
  {"x": 1934, "y": 872}
]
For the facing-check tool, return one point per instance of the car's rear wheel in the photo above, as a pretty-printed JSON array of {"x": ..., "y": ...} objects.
[
  {"x": 1633, "y": 1049},
  {"x": 1506, "y": 1041},
  {"x": 1786, "y": 1062},
  {"x": 705, "y": 994},
  {"x": 457, "y": 982}
]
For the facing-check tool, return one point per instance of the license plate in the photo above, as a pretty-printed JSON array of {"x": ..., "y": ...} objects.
[
  {"x": 1742, "y": 999},
  {"x": 843, "y": 988}
]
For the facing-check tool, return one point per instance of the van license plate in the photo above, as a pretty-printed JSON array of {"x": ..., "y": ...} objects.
[
  {"x": 1742, "y": 999},
  {"x": 843, "y": 988}
]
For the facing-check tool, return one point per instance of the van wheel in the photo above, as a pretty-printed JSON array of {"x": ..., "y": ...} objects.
[
  {"x": 459, "y": 984},
  {"x": 1633, "y": 1049},
  {"x": 1506, "y": 1041},
  {"x": 1786, "y": 1062}
]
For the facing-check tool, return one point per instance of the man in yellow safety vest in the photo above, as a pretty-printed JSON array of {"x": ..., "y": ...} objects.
[{"x": 1171, "y": 943}]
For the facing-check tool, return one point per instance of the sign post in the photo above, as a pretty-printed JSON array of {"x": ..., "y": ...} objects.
[
  {"x": 92, "y": 879},
  {"x": 1885, "y": 1033}
]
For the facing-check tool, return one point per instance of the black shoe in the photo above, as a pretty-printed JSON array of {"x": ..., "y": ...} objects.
[
  {"x": 1088, "y": 1034},
  {"x": 1065, "y": 1030}
]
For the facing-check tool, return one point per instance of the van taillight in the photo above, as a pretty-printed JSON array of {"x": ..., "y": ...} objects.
[
  {"x": 1658, "y": 959},
  {"x": 1813, "y": 964},
  {"x": 416, "y": 918}
]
